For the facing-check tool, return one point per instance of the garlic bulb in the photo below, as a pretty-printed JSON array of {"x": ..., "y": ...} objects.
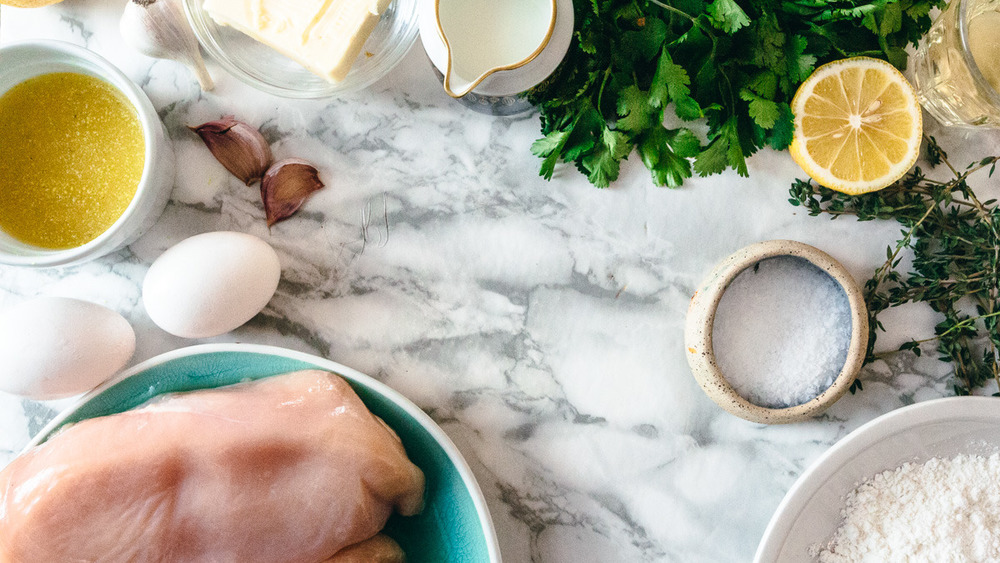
[{"x": 160, "y": 29}]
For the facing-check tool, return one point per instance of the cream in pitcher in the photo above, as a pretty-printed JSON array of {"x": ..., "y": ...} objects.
[
  {"x": 489, "y": 54},
  {"x": 486, "y": 36}
]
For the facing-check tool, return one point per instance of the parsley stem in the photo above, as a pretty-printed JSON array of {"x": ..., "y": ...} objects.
[
  {"x": 600, "y": 92},
  {"x": 681, "y": 13},
  {"x": 694, "y": 21}
]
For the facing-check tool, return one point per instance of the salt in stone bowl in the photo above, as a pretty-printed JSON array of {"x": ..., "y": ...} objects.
[{"x": 701, "y": 320}]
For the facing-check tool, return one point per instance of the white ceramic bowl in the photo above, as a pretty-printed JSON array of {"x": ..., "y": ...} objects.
[
  {"x": 810, "y": 512},
  {"x": 269, "y": 71},
  {"x": 21, "y": 61},
  {"x": 455, "y": 524}
]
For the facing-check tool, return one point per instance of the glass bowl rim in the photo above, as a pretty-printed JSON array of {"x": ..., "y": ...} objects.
[{"x": 200, "y": 23}]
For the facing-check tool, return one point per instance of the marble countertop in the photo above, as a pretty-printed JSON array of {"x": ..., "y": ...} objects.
[{"x": 539, "y": 323}]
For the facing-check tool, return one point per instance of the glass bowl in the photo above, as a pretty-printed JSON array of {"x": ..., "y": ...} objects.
[{"x": 268, "y": 70}]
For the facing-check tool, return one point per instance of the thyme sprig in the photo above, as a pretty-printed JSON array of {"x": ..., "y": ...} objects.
[{"x": 954, "y": 238}]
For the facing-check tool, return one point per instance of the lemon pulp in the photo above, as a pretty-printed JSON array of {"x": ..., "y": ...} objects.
[
  {"x": 71, "y": 156},
  {"x": 857, "y": 125}
]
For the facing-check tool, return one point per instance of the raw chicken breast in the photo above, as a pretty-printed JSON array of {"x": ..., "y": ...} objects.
[
  {"x": 379, "y": 549},
  {"x": 289, "y": 469}
]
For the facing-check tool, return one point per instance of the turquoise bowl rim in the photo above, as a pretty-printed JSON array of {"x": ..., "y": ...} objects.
[{"x": 352, "y": 375}]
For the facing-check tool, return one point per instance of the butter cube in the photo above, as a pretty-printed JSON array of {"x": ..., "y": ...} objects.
[{"x": 325, "y": 36}]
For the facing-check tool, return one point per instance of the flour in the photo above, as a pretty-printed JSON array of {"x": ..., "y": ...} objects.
[{"x": 940, "y": 511}]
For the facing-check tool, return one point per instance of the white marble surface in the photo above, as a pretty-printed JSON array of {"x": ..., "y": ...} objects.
[{"x": 539, "y": 323}]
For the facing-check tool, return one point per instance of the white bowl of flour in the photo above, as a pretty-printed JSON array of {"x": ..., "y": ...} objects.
[{"x": 925, "y": 477}]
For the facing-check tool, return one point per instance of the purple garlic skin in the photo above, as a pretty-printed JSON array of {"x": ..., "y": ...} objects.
[
  {"x": 286, "y": 185},
  {"x": 240, "y": 148}
]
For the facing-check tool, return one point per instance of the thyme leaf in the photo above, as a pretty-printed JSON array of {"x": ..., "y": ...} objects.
[{"x": 954, "y": 239}]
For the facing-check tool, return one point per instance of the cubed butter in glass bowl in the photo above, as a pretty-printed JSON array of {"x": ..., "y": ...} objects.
[{"x": 269, "y": 68}]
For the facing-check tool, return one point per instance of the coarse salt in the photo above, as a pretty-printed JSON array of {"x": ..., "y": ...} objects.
[
  {"x": 939, "y": 511},
  {"x": 782, "y": 331}
]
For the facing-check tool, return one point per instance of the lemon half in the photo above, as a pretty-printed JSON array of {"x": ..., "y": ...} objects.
[{"x": 858, "y": 125}]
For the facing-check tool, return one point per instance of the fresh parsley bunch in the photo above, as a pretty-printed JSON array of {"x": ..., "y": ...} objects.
[{"x": 734, "y": 64}]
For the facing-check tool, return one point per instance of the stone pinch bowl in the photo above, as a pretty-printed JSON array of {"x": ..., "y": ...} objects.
[{"x": 701, "y": 319}]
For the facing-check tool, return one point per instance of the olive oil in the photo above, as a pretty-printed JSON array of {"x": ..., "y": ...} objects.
[
  {"x": 72, "y": 153},
  {"x": 984, "y": 44},
  {"x": 946, "y": 84}
]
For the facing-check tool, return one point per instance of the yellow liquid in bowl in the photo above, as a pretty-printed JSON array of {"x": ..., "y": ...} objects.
[{"x": 72, "y": 153}]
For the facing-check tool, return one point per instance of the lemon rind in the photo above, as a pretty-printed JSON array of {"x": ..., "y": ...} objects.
[{"x": 822, "y": 175}]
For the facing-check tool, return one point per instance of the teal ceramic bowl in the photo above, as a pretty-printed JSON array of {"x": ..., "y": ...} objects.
[{"x": 455, "y": 525}]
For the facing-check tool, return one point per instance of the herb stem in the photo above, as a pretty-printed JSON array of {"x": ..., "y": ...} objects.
[
  {"x": 944, "y": 158},
  {"x": 681, "y": 13},
  {"x": 604, "y": 82},
  {"x": 884, "y": 270},
  {"x": 954, "y": 238}
]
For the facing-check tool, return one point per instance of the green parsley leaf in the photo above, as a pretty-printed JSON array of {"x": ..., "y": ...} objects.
[
  {"x": 549, "y": 148},
  {"x": 634, "y": 110},
  {"x": 765, "y": 84},
  {"x": 892, "y": 19},
  {"x": 781, "y": 134},
  {"x": 688, "y": 109},
  {"x": 918, "y": 10},
  {"x": 737, "y": 159},
  {"x": 800, "y": 63},
  {"x": 665, "y": 152},
  {"x": 713, "y": 160},
  {"x": 670, "y": 81},
  {"x": 617, "y": 142},
  {"x": 767, "y": 44},
  {"x": 684, "y": 142},
  {"x": 734, "y": 63},
  {"x": 644, "y": 45},
  {"x": 728, "y": 15},
  {"x": 584, "y": 134},
  {"x": 764, "y": 112},
  {"x": 601, "y": 166}
]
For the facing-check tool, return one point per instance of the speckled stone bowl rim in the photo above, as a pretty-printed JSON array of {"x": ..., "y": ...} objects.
[{"x": 701, "y": 319}]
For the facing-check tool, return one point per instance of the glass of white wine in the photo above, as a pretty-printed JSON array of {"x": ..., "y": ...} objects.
[{"x": 956, "y": 68}]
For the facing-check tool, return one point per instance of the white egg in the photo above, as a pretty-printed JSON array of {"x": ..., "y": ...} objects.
[
  {"x": 210, "y": 284},
  {"x": 55, "y": 347}
]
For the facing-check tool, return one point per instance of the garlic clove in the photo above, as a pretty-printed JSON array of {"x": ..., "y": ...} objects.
[
  {"x": 160, "y": 29},
  {"x": 237, "y": 146},
  {"x": 285, "y": 186}
]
